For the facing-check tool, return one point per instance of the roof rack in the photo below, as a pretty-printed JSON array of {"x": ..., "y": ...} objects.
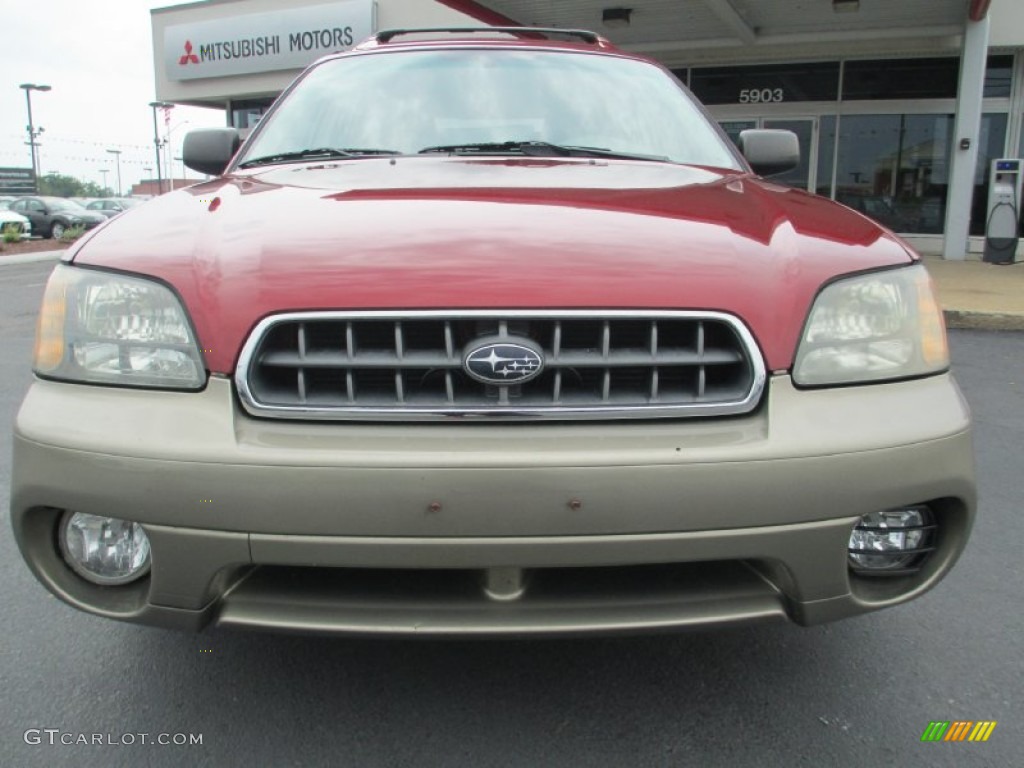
[{"x": 387, "y": 35}]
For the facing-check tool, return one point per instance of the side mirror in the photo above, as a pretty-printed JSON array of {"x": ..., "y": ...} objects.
[
  {"x": 769, "y": 150},
  {"x": 209, "y": 150}
]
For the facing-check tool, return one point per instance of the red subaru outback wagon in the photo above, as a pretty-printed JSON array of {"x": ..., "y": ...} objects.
[{"x": 484, "y": 332}]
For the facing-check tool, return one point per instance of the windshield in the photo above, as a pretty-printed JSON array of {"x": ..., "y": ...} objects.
[
  {"x": 406, "y": 102},
  {"x": 60, "y": 204}
]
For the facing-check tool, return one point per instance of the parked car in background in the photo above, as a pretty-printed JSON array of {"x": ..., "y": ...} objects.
[
  {"x": 51, "y": 216},
  {"x": 111, "y": 206},
  {"x": 9, "y": 218},
  {"x": 549, "y": 357}
]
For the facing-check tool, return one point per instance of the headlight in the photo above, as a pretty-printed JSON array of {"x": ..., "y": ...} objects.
[
  {"x": 874, "y": 327},
  {"x": 106, "y": 328}
]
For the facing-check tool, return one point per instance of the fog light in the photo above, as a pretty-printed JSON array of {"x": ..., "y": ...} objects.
[
  {"x": 104, "y": 550},
  {"x": 891, "y": 540}
]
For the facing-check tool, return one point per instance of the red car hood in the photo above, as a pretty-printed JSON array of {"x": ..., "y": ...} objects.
[{"x": 439, "y": 232}]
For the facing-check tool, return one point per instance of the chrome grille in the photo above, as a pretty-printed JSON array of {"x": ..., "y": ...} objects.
[{"x": 409, "y": 365}]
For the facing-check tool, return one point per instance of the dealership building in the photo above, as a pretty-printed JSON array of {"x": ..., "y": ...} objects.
[{"x": 900, "y": 107}]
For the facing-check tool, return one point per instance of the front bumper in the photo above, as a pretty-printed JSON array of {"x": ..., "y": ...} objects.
[{"x": 491, "y": 528}]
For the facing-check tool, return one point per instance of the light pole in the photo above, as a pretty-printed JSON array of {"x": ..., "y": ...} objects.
[
  {"x": 32, "y": 132},
  {"x": 117, "y": 153},
  {"x": 156, "y": 142},
  {"x": 104, "y": 172}
]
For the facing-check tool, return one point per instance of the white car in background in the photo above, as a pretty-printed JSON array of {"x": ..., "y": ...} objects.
[{"x": 8, "y": 217}]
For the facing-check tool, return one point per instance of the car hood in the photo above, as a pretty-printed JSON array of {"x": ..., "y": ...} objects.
[
  {"x": 8, "y": 217},
  {"x": 483, "y": 233}
]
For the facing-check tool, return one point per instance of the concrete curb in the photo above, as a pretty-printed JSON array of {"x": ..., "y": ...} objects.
[
  {"x": 30, "y": 258},
  {"x": 983, "y": 321}
]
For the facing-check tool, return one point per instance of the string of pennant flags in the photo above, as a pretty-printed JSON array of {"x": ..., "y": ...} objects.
[
  {"x": 47, "y": 138},
  {"x": 52, "y": 158}
]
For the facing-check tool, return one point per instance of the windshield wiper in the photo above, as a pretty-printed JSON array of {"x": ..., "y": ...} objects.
[
  {"x": 537, "y": 149},
  {"x": 314, "y": 154}
]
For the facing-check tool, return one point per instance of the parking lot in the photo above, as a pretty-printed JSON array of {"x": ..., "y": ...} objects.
[{"x": 859, "y": 692}]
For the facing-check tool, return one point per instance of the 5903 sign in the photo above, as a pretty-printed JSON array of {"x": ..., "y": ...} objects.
[{"x": 761, "y": 95}]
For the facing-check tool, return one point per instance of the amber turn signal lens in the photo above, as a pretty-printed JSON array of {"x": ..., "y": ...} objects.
[
  {"x": 934, "y": 346},
  {"x": 49, "y": 350}
]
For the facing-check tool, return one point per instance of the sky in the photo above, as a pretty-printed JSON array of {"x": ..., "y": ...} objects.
[{"x": 97, "y": 56}]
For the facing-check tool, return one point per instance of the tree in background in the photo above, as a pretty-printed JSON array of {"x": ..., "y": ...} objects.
[{"x": 58, "y": 185}]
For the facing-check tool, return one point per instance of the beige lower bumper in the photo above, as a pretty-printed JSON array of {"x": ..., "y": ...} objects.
[{"x": 606, "y": 527}]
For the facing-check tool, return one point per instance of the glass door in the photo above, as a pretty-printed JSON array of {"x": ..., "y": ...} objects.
[
  {"x": 733, "y": 128},
  {"x": 806, "y": 130}
]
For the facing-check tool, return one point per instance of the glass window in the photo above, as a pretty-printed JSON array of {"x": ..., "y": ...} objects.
[
  {"x": 455, "y": 97},
  {"x": 246, "y": 114},
  {"x": 64, "y": 204},
  {"x": 766, "y": 84},
  {"x": 895, "y": 169},
  {"x": 826, "y": 152},
  {"x": 991, "y": 145},
  {"x": 799, "y": 177},
  {"x": 901, "y": 79},
  {"x": 733, "y": 128},
  {"x": 998, "y": 76}
]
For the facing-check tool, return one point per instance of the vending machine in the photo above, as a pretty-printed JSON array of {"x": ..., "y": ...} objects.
[{"x": 1003, "y": 216}]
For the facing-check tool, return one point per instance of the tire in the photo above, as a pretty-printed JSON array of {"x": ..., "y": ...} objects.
[{"x": 56, "y": 230}]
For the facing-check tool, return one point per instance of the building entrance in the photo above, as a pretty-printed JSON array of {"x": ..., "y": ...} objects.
[{"x": 806, "y": 130}]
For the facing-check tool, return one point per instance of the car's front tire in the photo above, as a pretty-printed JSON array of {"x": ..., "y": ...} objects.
[{"x": 56, "y": 230}]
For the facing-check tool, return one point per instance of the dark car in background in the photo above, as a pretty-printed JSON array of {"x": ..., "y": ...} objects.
[
  {"x": 109, "y": 207},
  {"x": 51, "y": 216}
]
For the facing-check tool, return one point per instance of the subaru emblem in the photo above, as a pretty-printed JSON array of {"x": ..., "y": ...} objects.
[{"x": 503, "y": 363}]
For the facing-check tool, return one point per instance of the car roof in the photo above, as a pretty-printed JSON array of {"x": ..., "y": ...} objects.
[{"x": 548, "y": 37}]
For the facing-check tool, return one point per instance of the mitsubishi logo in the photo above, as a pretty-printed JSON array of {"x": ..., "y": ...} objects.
[{"x": 188, "y": 57}]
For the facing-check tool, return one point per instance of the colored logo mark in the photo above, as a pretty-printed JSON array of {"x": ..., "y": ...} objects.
[
  {"x": 188, "y": 57},
  {"x": 958, "y": 730}
]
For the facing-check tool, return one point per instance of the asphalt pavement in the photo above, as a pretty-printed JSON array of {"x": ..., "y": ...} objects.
[{"x": 856, "y": 693}]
